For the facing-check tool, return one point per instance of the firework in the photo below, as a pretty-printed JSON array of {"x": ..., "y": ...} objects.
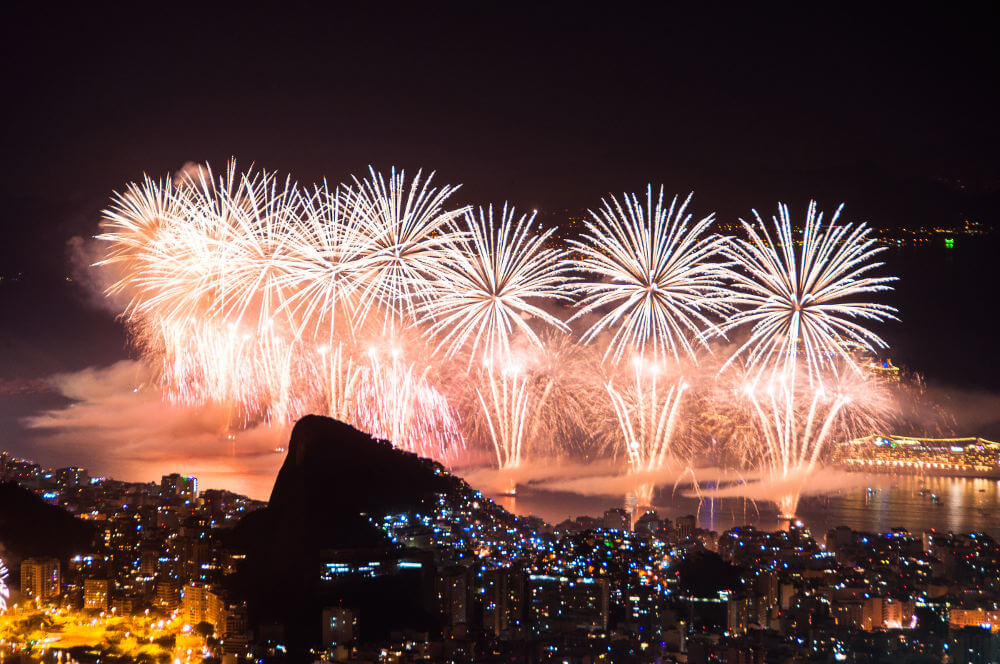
[
  {"x": 804, "y": 309},
  {"x": 235, "y": 283},
  {"x": 506, "y": 402},
  {"x": 813, "y": 301},
  {"x": 654, "y": 285},
  {"x": 404, "y": 233},
  {"x": 339, "y": 374},
  {"x": 491, "y": 282},
  {"x": 656, "y": 288},
  {"x": 200, "y": 262},
  {"x": 646, "y": 407},
  {"x": 488, "y": 287},
  {"x": 330, "y": 254},
  {"x": 395, "y": 401},
  {"x": 795, "y": 422},
  {"x": 275, "y": 301}
]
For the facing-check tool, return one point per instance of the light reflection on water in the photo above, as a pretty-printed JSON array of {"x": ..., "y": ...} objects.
[{"x": 965, "y": 505}]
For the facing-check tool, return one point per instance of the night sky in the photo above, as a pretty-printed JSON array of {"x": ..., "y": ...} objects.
[{"x": 893, "y": 110}]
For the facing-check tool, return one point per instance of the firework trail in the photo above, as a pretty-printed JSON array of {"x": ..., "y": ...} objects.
[
  {"x": 803, "y": 308},
  {"x": 507, "y": 405},
  {"x": 339, "y": 378},
  {"x": 395, "y": 401},
  {"x": 646, "y": 408},
  {"x": 796, "y": 422},
  {"x": 656, "y": 287}
]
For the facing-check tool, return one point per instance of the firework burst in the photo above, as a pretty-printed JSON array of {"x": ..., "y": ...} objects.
[
  {"x": 811, "y": 301},
  {"x": 491, "y": 282},
  {"x": 404, "y": 234},
  {"x": 652, "y": 275},
  {"x": 802, "y": 310},
  {"x": 656, "y": 288}
]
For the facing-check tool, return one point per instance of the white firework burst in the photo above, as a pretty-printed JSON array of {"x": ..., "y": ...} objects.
[
  {"x": 490, "y": 284},
  {"x": 810, "y": 301},
  {"x": 653, "y": 279},
  {"x": 404, "y": 232}
]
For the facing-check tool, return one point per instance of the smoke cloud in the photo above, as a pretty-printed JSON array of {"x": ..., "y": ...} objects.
[{"x": 118, "y": 424}]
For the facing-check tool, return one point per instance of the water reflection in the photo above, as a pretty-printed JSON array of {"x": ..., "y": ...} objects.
[{"x": 961, "y": 505}]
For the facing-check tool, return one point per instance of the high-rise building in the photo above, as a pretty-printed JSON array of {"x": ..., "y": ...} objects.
[
  {"x": 617, "y": 518},
  {"x": 562, "y": 604},
  {"x": 149, "y": 560},
  {"x": 167, "y": 594},
  {"x": 454, "y": 595},
  {"x": 503, "y": 602},
  {"x": 338, "y": 626},
  {"x": 199, "y": 604},
  {"x": 235, "y": 634},
  {"x": 179, "y": 486},
  {"x": 95, "y": 594},
  {"x": 40, "y": 578}
]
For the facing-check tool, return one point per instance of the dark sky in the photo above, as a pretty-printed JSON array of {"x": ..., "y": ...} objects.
[
  {"x": 550, "y": 107},
  {"x": 892, "y": 109}
]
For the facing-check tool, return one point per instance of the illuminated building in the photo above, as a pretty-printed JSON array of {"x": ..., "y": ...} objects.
[
  {"x": 886, "y": 613},
  {"x": 199, "y": 604},
  {"x": 95, "y": 594},
  {"x": 984, "y": 618},
  {"x": 338, "y": 626},
  {"x": 503, "y": 601},
  {"x": 179, "y": 486},
  {"x": 72, "y": 477},
  {"x": 167, "y": 594},
  {"x": 235, "y": 634},
  {"x": 454, "y": 595},
  {"x": 685, "y": 525},
  {"x": 40, "y": 578},
  {"x": 562, "y": 604},
  {"x": 740, "y": 614}
]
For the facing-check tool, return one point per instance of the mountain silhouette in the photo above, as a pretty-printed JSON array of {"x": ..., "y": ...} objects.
[
  {"x": 30, "y": 527},
  {"x": 333, "y": 481}
]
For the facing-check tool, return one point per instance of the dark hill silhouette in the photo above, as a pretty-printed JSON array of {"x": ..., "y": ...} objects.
[
  {"x": 332, "y": 477},
  {"x": 30, "y": 527}
]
